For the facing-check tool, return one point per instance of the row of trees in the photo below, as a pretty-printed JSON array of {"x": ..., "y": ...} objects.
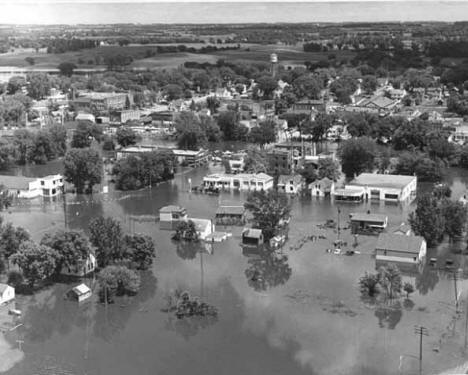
[{"x": 33, "y": 146}]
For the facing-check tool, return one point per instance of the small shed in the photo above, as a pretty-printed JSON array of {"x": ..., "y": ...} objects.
[
  {"x": 7, "y": 293},
  {"x": 172, "y": 213},
  {"x": 80, "y": 293},
  {"x": 230, "y": 215},
  {"x": 362, "y": 222},
  {"x": 252, "y": 237}
]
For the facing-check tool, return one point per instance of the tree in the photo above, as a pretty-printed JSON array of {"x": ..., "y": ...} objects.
[
  {"x": 15, "y": 84},
  {"x": 455, "y": 217},
  {"x": 126, "y": 136},
  {"x": 117, "y": 280},
  {"x": 5, "y": 198},
  {"x": 212, "y": 103},
  {"x": 390, "y": 279},
  {"x": 228, "y": 122},
  {"x": 37, "y": 262},
  {"x": 307, "y": 86},
  {"x": 369, "y": 284},
  {"x": 11, "y": 238},
  {"x": 66, "y": 68},
  {"x": 264, "y": 133},
  {"x": 83, "y": 168},
  {"x": 23, "y": 141},
  {"x": 408, "y": 288},
  {"x": 357, "y": 156},
  {"x": 140, "y": 250},
  {"x": 58, "y": 137},
  {"x": 30, "y": 60},
  {"x": 173, "y": 92},
  {"x": 72, "y": 248},
  {"x": 269, "y": 210},
  {"x": 15, "y": 278},
  {"x": 187, "y": 231},
  {"x": 39, "y": 85},
  {"x": 329, "y": 168},
  {"x": 320, "y": 126},
  {"x": 427, "y": 220},
  {"x": 256, "y": 160},
  {"x": 211, "y": 128},
  {"x": 418, "y": 164},
  {"x": 107, "y": 236},
  {"x": 267, "y": 85},
  {"x": 369, "y": 84},
  {"x": 85, "y": 132},
  {"x": 309, "y": 173},
  {"x": 190, "y": 135}
]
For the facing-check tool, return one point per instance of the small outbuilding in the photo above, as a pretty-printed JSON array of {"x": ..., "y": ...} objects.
[
  {"x": 7, "y": 293},
  {"x": 252, "y": 237},
  {"x": 230, "y": 215},
  {"x": 80, "y": 293},
  {"x": 172, "y": 213},
  {"x": 362, "y": 222}
]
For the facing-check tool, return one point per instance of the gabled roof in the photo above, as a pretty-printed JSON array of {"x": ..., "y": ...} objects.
[
  {"x": 397, "y": 242},
  {"x": 252, "y": 233},
  {"x": 285, "y": 179},
  {"x": 81, "y": 289},
  {"x": 4, "y": 287},
  {"x": 380, "y": 102},
  {"x": 325, "y": 183}
]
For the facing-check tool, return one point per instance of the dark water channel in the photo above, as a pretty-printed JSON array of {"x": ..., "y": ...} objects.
[{"x": 303, "y": 316}]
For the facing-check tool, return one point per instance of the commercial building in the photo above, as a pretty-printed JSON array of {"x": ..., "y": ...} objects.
[
  {"x": 400, "y": 249},
  {"x": 386, "y": 187},
  {"x": 242, "y": 181},
  {"x": 31, "y": 187}
]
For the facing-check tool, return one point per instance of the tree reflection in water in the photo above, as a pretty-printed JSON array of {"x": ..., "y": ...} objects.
[
  {"x": 188, "y": 250},
  {"x": 389, "y": 314},
  {"x": 427, "y": 280},
  {"x": 111, "y": 319},
  {"x": 267, "y": 269}
]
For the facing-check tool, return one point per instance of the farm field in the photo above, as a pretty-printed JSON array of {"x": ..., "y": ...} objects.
[{"x": 93, "y": 58}]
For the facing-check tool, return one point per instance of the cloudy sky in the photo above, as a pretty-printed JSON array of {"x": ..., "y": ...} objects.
[{"x": 241, "y": 11}]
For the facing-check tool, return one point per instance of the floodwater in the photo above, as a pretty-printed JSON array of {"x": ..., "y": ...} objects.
[{"x": 304, "y": 315}]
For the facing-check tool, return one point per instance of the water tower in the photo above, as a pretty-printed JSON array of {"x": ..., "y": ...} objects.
[{"x": 274, "y": 64}]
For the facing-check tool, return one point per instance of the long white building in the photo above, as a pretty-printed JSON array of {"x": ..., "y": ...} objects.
[
  {"x": 241, "y": 181},
  {"x": 387, "y": 187}
]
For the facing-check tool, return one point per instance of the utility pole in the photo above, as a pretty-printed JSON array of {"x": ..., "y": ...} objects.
[
  {"x": 338, "y": 223},
  {"x": 421, "y": 331},
  {"x": 455, "y": 279}
]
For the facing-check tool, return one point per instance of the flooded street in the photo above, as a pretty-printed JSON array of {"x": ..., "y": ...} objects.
[{"x": 304, "y": 316}]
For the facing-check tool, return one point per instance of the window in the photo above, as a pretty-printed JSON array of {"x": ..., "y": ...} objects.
[{"x": 42, "y": 183}]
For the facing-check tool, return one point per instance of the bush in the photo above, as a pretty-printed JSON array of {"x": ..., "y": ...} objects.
[{"x": 15, "y": 278}]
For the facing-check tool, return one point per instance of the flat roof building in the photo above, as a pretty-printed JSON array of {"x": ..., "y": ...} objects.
[{"x": 401, "y": 249}]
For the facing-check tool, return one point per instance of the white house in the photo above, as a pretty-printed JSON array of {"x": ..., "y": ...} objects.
[
  {"x": 7, "y": 293},
  {"x": 242, "y": 181},
  {"x": 204, "y": 227},
  {"x": 31, "y": 187},
  {"x": 322, "y": 188},
  {"x": 290, "y": 184},
  {"x": 401, "y": 249},
  {"x": 82, "y": 268},
  {"x": 387, "y": 187}
]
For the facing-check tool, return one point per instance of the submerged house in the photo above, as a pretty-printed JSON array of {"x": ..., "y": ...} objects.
[
  {"x": 7, "y": 293},
  {"x": 32, "y": 187},
  {"x": 362, "y": 222},
  {"x": 204, "y": 227},
  {"x": 290, "y": 184},
  {"x": 80, "y": 293},
  {"x": 353, "y": 195},
  {"x": 172, "y": 213},
  {"x": 252, "y": 237},
  {"x": 82, "y": 268},
  {"x": 322, "y": 188},
  {"x": 400, "y": 249},
  {"x": 230, "y": 215}
]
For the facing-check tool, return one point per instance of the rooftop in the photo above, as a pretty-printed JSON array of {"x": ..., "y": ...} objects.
[
  {"x": 382, "y": 180},
  {"x": 285, "y": 179},
  {"x": 171, "y": 208},
  {"x": 240, "y": 176},
  {"x": 81, "y": 289},
  {"x": 230, "y": 210},
  {"x": 397, "y": 242},
  {"x": 364, "y": 216},
  {"x": 253, "y": 233},
  {"x": 16, "y": 182}
]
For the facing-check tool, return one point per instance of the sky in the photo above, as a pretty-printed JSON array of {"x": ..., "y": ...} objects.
[{"x": 211, "y": 11}]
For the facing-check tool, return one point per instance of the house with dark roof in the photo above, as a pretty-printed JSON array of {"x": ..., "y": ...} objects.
[
  {"x": 230, "y": 215},
  {"x": 393, "y": 247},
  {"x": 386, "y": 187},
  {"x": 365, "y": 222}
]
